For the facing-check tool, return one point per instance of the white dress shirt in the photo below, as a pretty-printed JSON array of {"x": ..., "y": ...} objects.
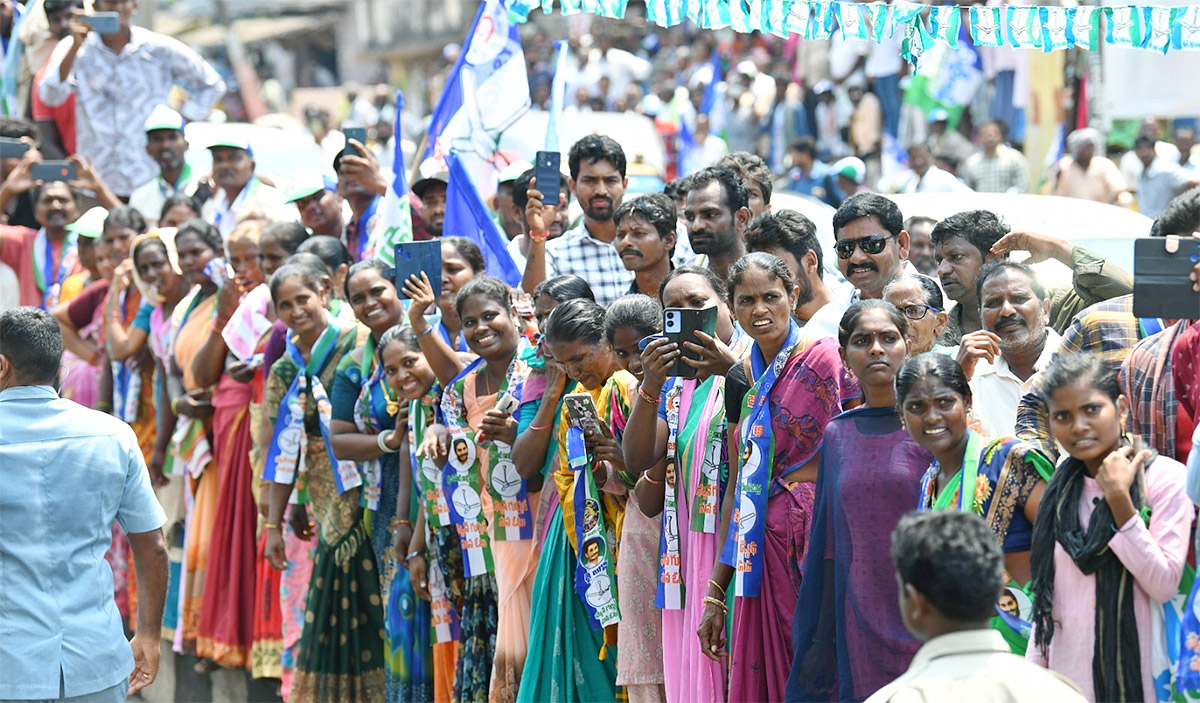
[
  {"x": 998, "y": 391},
  {"x": 255, "y": 196},
  {"x": 116, "y": 92}
]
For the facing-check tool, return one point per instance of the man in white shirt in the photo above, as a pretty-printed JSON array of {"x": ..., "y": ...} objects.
[
  {"x": 1015, "y": 343},
  {"x": 238, "y": 189},
  {"x": 927, "y": 178},
  {"x": 792, "y": 237},
  {"x": 165, "y": 144},
  {"x": 950, "y": 573},
  {"x": 118, "y": 79}
]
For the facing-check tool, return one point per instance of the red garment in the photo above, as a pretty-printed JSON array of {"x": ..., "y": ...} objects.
[
  {"x": 16, "y": 250},
  {"x": 63, "y": 116},
  {"x": 226, "y": 627},
  {"x": 1185, "y": 363},
  {"x": 82, "y": 308}
]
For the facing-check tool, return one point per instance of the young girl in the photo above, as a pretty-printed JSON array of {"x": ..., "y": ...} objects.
[
  {"x": 1000, "y": 479},
  {"x": 344, "y": 611},
  {"x": 778, "y": 402},
  {"x": 461, "y": 262},
  {"x": 490, "y": 505},
  {"x": 849, "y": 630},
  {"x": 640, "y": 654},
  {"x": 1109, "y": 543}
]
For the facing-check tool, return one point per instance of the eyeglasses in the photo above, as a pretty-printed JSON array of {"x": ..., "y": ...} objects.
[
  {"x": 918, "y": 312},
  {"x": 870, "y": 245}
]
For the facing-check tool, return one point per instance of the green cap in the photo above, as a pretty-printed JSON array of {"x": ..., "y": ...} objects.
[
  {"x": 90, "y": 224},
  {"x": 233, "y": 143}
]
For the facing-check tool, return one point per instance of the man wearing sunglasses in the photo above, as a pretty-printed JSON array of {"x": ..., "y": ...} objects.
[
  {"x": 872, "y": 245},
  {"x": 965, "y": 241}
]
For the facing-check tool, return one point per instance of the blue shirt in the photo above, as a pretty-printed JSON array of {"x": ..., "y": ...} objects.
[{"x": 67, "y": 473}]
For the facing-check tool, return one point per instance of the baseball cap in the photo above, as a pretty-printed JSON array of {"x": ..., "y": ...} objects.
[
  {"x": 426, "y": 183},
  {"x": 163, "y": 117},
  {"x": 938, "y": 114},
  {"x": 233, "y": 143},
  {"x": 852, "y": 168},
  {"x": 513, "y": 171},
  {"x": 90, "y": 224},
  {"x": 311, "y": 182}
]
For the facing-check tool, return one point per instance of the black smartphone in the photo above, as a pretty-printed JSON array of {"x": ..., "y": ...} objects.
[
  {"x": 12, "y": 148},
  {"x": 1161, "y": 287},
  {"x": 103, "y": 22},
  {"x": 47, "y": 171},
  {"x": 358, "y": 134},
  {"x": 680, "y": 325},
  {"x": 415, "y": 258},
  {"x": 549, "y": 178}
]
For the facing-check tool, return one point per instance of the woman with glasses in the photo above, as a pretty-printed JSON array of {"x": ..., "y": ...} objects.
[{"x": 920, "y": 299}]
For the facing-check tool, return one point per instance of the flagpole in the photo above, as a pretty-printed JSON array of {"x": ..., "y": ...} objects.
[{"x": 416, "y": 166}]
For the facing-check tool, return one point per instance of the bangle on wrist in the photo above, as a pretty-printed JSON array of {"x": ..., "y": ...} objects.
[
  {"x": 539, "y": 236},
  {"x": 651, "y": 399},
  {"x": 270, "y": 526},
  {"x": 426, "y": 331},
  {"x": 413, "y": 555},
  {"x": 381, "y": 440},
  {"x": 709, "y": 600},
  {"x": 539, "y": 428},
  {"x": 650, "y": 480},
  {"x": 717, "y": 586}
]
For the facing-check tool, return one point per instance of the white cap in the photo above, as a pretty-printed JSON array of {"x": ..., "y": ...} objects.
[{"x": 163, "y": 117}]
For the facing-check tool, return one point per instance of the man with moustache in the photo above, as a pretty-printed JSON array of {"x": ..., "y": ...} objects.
[
  {"x": 432, "y": 192},
  {"x": 716, "y": 210},
  {"x": 920, "y": 244},
  {"x": 45, "y": 257},
  {"x": 1002, "y": 359},
  {"x": 645, "y": 240},
  {"x": 597, "y": 166},
  {"x": 320, "y": 206},
  {"x": 165, "y": 144},
  {"x": 238, "y": 189},
  {"x": 871, "y": 244},
  {"x": 965, "y": 241},
  {"x": 793, "y": 238}
]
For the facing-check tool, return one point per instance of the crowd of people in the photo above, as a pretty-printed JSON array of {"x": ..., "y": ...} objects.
[{"x": 450, "y": 488}]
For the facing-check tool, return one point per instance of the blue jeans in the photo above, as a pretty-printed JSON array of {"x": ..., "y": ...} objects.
[{"x": 887, "y": 89}]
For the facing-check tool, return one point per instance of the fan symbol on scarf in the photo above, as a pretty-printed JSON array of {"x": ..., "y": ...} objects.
[
  {"x": 430, "y": 470},
  {"x": 712, "y": 460},
  {"x": 437, "y": 582},
  {"x": 747, "y": 517},
  {"x": 671, "y": 532},
  {"x": 599, "y": 593},
  {"x": 466, "y": 502},
  {"x": 505, "y": 479}
]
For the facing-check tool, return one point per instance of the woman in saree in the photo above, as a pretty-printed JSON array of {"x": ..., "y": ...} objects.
[
  {"x": 226, "y": 626},
  {"x": 569, "y": 636},
  {"x": 340, "y": 656},
  {"x": 640, "y": 654},
  {"x": 414, "y": 386},
  {"x": 690, "y": 420},
  {"x": 777, "y": 402},
  {"x": 490, "y": 504},
  {"x": 362, "y": 430},
  {"x": 200, "y": 249},
  {"x": 848, "y": 629},
  {"x": 1000, "y": 479},
  {"x": 1109, "y": 545}
]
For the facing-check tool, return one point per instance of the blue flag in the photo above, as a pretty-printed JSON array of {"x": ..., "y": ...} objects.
[
  {"x": 558, "y": 95},
  {"x": 467, "y": 216}
]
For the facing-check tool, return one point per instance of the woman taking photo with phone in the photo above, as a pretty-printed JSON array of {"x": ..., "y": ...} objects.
[
  {"x": 589, "y": 472},
  {"x": 849, "y": 630},
  {"x": 362, "y": 430},
  {"x": 1110, "y": 540},
  {"x": 777, "y": 402},
  {"x": 490, "y": 505},
  {"x": 344, "y": 610},
  {"x": 683, "y": 456}
]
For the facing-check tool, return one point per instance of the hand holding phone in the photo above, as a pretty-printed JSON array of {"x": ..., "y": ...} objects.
[
  {"x": 415, "y": 258},
  {"x": 549, "y": 178},
  {"x": 47, "y": 171},
  {"x": 11, "y": 148},
  {"x": 1162, "y": 269},
  {"x": 103, "y": 22},
  {"x": 681, "y": 325},
  {"x": 581, "y": 411},
  {"x": 358, "y": 134}
]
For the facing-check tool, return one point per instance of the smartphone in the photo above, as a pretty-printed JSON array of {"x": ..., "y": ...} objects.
[
  {"x": 549, "y": 178},
  {"x": 680, "y": 325},
  {"x": 217, "y": 271},
  {"x": 415, "y": 258},
  {"x": 1161, "y": 287},
  {"x": 47, "y": 171},
  {"x": 507, "y": 404},
  {"x": 12, "y": 148},
  {"x": 581, "y": 411},
  {"x": 358, "y": 134},
  {"x": 103, "y": 22}
]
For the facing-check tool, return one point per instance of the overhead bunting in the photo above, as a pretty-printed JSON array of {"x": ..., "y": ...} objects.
[{"x": 1150, "y": 28}]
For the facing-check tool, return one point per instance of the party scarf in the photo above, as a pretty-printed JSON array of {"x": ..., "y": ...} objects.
[
  {"x": 289, "y": 440},
  {"x": 368, "y": 421},
  {"x": 190, "y": 450},
  {"x": 704, "y": 464},
  {"x": 963, "y": 483},
  {"x": 593, "y": 573},
  {"x": 443, "y": 617},
  {"x": 744, "y": 545},
  {"x": 48, "y": 280},
  {"x": 426, "y": 474}
]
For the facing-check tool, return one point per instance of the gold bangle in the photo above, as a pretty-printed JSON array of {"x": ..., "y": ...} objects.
[
  {"x": 269, "y": 526},
  {"x": 647, "y": 397},
  {"x": 713, "y": 601},
  {"x": 717, "y": 586}
]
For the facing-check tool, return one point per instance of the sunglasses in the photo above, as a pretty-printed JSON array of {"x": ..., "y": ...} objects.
[
  {"x": 870, "y": 245},
  {"x": 918, "y": 312}
]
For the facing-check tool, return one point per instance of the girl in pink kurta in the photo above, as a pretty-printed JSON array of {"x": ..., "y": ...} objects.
[{"x": 1102, "y": 564}]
